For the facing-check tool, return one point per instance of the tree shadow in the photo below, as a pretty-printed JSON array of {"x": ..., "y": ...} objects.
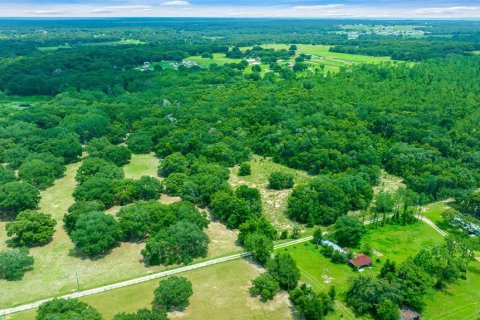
[{"x": 76, "y": 253}]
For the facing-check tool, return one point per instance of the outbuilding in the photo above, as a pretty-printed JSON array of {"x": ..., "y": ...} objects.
[{"x": 361, "y": 261}]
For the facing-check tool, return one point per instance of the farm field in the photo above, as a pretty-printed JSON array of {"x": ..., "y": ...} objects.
[
  {"x": 55, "y": 270},
  {"x": 218, "y": 291}
]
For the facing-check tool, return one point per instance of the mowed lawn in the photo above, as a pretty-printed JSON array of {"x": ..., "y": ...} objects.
[
  {"x": 219, "y": 292},
  {"x": 274, "y": 201},
  {"x": 55, "y": 270}
]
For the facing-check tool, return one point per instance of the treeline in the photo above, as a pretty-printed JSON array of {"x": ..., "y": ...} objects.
[{"x": 407, "y": 50}]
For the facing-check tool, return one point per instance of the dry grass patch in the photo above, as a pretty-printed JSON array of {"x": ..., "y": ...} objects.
[{"x": 274, "y": 201}]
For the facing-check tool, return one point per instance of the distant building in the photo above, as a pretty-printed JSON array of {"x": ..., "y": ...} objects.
[
  {"x": 361, "y": 261},
  {"x": 409, "y": 314}
]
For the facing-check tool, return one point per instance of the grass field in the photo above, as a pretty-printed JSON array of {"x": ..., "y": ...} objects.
[
  {"x": 141, "y": 165},
  {"x": 274, "y": 201},
  {"x": 219, "y": 292},
  {"x": 55, "y": 269}
]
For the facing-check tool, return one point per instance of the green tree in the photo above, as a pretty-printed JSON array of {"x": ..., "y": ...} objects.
[
  {"x": 349, "y": 231},
  {"x": 95, "y": 233},
  {"x": 365, "y": 293},
  {"x": 143, "y": 314},
  {"x": 414, "y": 282},
  {"x": 98, "y": 168},
  {"x": 174, "y": 163},
  {"x": 77, "y": 209},
  {"x": 149, "y": 188},
  {"x": 6, "y": 176},
  {"x": 140, "y": 142},
  {"x": 174, "y": 183},
  {"x": 387, "y": 310},
  {"x": 31, "y": 228},
  {"x": 173, "y": 294},
  {"x": 244, "y": 170},
  {"x": 265, "y": 286},
  {"x": 14, "y": 264},
  {"x": 260, "y": 246},
  {"x": 252, "y": 197},
  {"x": 16, "y": 197},
  {"x": 280, "y": 180},
  {"x": 180, "y": 243},
  {"x": 318, "y": 236},
  {"x": 37, "y": 173},
  {"x": 96, "y": 189},
  {"x": 66, "y": 309},
  {"x": 284, "y": 269},
  {"x": 227, "y": 207}
]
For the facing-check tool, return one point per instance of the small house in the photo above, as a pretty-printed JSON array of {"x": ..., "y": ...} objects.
[{"x": 361, "y": 261}]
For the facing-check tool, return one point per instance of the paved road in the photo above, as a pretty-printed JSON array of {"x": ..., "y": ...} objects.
[{"x": 163, "y": 274}]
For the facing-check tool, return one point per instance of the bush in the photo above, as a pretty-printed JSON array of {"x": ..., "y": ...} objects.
[
  {"x": 31, "y": 228},
  {"x": 280, "y": 180},
  {"x": 244, "y": 170},
  {"x": 14, "y": 264},
  {"x": 173, "y": 294}
]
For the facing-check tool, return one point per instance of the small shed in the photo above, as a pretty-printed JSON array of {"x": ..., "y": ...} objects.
[{"x": 361, "y": 261}]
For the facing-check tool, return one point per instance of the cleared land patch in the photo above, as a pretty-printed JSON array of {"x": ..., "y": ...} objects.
[{"x": 274, "y": 201}]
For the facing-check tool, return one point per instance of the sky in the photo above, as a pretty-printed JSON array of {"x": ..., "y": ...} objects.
[{"x": 438, "y": 9}]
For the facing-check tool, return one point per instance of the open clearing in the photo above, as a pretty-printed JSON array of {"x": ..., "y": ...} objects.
[
  {"x": 274, "y": 201},
  {"x": 332, "y": 61},
  {"x": 55, "y": 270},
  {"x": 219, "y": 292}
]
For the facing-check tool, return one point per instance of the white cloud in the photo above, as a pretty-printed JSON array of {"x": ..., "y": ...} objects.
[
  {"x": 176, "y": 3},
  {"x": 114, "y": 9},
  {"x": 320, "y": 7}
]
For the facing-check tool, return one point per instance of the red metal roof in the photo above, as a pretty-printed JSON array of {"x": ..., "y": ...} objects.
[{"x": 361, "y": 261}]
